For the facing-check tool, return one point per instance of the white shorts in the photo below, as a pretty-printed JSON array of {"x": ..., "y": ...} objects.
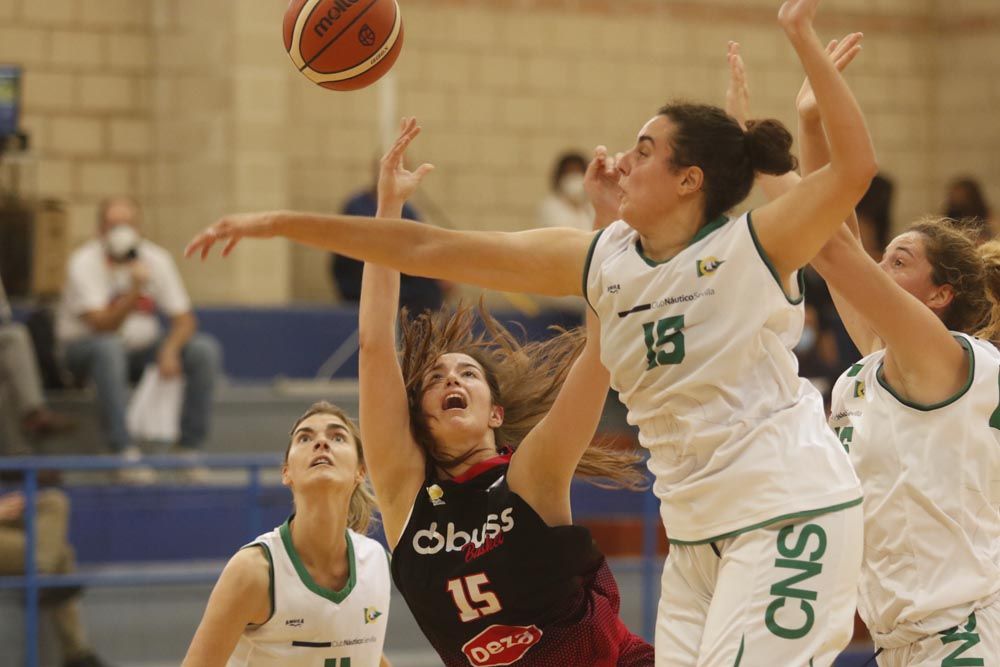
[
  {"x": 782, "y": 595},
  {"x": 976, "y": 642}
]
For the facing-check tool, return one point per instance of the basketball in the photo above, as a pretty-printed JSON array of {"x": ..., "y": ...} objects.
[{"x": 343, "y": 44}]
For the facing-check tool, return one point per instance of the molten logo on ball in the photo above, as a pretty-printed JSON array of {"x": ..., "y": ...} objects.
[
  {"x": 332, "y": 14},
  {"x": 366, "y": 35},
  {"x": 342, "y": 44}
]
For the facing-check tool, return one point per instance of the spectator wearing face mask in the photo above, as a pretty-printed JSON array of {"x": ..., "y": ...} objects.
[
  {"x": 109, "y": 330},
  {"x": 567, "y": 204}
]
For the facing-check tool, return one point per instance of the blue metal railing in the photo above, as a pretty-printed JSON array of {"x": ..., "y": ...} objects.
[{"x": 32, "y": 582}]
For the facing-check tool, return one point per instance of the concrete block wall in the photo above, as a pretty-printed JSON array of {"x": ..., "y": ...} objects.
[
  {"x": 87, "y": 72},
  {"x": 194, "y": 106},
  {"x": 967, "y": 134}
]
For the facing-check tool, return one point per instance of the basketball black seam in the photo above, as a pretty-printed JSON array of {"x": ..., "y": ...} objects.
[
  {"x": 379, "y": 48},
  {"x": 337, "y": 36}
]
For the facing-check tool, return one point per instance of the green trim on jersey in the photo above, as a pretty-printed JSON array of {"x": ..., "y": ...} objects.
[
  {"x": 880, "y": 375},
  {"x": 705, "y": 230},
  {"x": 586, "y": 266},
  {"x": 854, "y": 370},
  {"x": 739, "y": 656},
  {"x": 332, "y": 596},
  {"x": 774, "y": 272},
  {"x": 270, "y": 574},
  {"x": 995, "y": 417},
  {"x": 768, "y": 522}
]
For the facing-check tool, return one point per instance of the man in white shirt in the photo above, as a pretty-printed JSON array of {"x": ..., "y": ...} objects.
[{"x": 109, "y": 327}]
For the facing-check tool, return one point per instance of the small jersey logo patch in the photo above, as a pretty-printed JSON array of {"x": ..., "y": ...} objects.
[
  {"x": 859, "y": 389},
  {"x": 435, "y": 493},
  {"x": 708, "y": 266},
  {"x": 295, "y": 622},
  {"x": 500, "y": 645},
  {"x": 371, "y": 613}
]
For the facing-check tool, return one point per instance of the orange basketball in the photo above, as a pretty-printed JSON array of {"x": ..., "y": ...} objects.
[{"x": 343, "y": 44}]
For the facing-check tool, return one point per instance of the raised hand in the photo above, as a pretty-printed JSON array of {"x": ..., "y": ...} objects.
[
  {"x": 796, "y": 16},
  {"x": 231, "y": 229},
  {"x": 737, "y": 92},
  {"x": 395, "y": 183},
  {"x": 601, "y": 185},
  {"x": 842, "y": 52}
]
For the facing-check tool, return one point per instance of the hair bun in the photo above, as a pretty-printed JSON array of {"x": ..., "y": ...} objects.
[{"x": 769, "y": 146}]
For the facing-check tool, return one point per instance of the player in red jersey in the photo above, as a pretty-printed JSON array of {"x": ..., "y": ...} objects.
[{"x": 472, "y": 443}]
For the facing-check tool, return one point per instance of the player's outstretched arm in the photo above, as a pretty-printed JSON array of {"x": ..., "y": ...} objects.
[
  {"x": 541, "y": 469},
  {"x": 395, "y": 462},
  {"x": 240, "y": 598},
  {"x": 540, "y": 261},
  {"x": 923, "y": 362},
  {"x": 794, "y": 227},
  {"x": 814, "y": 154},
  {"x": 876, "y": 311}
]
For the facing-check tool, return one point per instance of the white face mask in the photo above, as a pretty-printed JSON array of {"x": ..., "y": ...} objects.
[
  {"x": 121, "y": 242},
  {"x": 571, "y": 186}
]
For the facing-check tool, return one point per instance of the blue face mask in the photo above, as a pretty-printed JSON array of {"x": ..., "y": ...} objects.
[{"x": 808, "y": 340}]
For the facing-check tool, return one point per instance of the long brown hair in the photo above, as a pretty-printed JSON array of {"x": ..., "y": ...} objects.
[
  {"x": 972, "y": 271},
  {"x": 362, "y": 506},
  {"x": 524, "y": 378}
]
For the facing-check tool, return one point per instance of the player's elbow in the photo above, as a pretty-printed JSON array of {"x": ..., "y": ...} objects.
[{"x": 854, "y": 178}]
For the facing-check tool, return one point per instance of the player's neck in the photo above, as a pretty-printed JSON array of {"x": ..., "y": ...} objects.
[
  {"x": 482, "y": 451},
  {"x": 319, "y": 536},
  {"x": 670, "y": 235}
]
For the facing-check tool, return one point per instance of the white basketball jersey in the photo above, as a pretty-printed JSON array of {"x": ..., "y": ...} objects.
[
  {"x": 699, "y": 349},
  {"x": 312, "y": 626},
  {"x": 931, "y": 478}
]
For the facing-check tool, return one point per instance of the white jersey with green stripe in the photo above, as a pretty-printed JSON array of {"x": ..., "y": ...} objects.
[
  {"x": 700, "y": 350},
  {"x": 931, "y": 478},
  {"x": 312, "y": 626}
]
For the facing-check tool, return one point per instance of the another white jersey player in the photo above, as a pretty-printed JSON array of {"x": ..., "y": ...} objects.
[
  {"x": 314, "y": 591},
  {"x": 920, "y": 417}
]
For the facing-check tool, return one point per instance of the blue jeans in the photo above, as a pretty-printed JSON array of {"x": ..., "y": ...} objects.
[{"x": 104, "y": 359}]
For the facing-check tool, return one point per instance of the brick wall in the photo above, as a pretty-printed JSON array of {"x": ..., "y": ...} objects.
[
  {"x": 87, "y": 78},
  {"x": 194, "y": 106}
]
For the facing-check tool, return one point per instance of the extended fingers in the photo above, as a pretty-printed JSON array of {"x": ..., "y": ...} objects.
[
  {"x": 408, "y": 129},
  {"x": 197, "y": 245},
  {"x": 424, "y": 169},
  {"x": 611, "y": 165},
  {"x": 597, "y": 162},
  {"x": 847, "y": 50},
  {"x": 230, "y": 245}
]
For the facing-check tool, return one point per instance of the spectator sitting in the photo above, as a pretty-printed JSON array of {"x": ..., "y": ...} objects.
[
  {"x": 20, "y": 381},
  {"x": 109, "y": 331},
  {"x": 53, "y": 555},
  {"x": 965, "y": 201},
  {"x": 416, "y": 294},
  {"x": 567, "y": 204}
]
